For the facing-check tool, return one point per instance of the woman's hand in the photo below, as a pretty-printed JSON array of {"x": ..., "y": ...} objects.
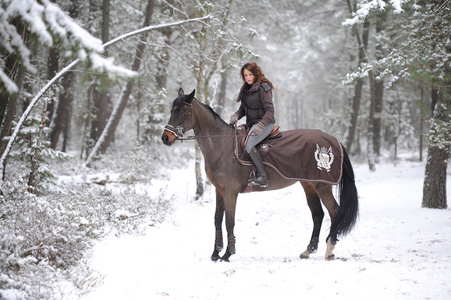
[
  {"x": 258, "y": 128},
  {"x": 233, "y": 119}
]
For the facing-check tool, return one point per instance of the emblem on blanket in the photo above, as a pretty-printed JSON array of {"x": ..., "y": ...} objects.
[{"x": 324, "y": 158}]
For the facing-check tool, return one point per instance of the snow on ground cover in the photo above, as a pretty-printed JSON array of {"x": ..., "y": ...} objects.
[{"x": 398, "y": 250}]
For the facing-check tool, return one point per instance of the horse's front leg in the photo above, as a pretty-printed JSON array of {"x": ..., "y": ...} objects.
[
  {"x": 219, "y": 216},
  {"x": 230, "y": 199}
]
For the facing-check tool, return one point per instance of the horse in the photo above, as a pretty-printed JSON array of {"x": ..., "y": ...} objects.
[{"x": 230, "y": 178}]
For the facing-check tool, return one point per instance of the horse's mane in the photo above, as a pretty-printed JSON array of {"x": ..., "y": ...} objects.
[
  {"x": 215, "y": 114},
  {"x": 181, "y": 100}
]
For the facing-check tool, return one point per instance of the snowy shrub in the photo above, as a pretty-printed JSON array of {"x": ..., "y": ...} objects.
[
  {"x": 32, "y": 153},
  {"x": 43, "y": 238},
  {"x": 138, "y": 166}
]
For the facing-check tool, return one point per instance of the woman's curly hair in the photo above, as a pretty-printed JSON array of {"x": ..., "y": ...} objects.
[{"x": 256, "y": 71}]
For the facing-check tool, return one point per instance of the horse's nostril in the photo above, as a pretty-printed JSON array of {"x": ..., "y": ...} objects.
[{"x": 165, "y": 139}]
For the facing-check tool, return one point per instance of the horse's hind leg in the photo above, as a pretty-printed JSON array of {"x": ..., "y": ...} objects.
[
  {"x": 314, "y": 203},
  {"x": 324, "y": 190},
  {"x": 219, "y": 216}
]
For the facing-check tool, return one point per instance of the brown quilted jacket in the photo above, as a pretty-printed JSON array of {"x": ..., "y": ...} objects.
[{"x": 256, "y": 103}]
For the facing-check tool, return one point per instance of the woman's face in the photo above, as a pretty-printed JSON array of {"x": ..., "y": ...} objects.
[{"x": 248, "y": 76}]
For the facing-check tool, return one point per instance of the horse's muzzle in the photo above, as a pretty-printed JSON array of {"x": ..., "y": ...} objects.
[{"x": 168, "y": 138}]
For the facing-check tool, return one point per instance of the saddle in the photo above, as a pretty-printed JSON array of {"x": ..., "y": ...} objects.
[{"x": 261, "y": 147}]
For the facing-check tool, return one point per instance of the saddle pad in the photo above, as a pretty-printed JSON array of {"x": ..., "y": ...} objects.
[{"x": 301, "y": 154}]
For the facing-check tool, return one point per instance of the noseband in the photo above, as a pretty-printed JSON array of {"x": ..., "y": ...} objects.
[{"x": 180, "y": 130}]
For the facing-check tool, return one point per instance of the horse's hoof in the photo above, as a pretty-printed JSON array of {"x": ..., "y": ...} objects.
[
  {"x": 226, "y": 256},
  {"x": 215, "y": 258},
  {"x": 305, "y": 254},
  {"x": 330, "y": 257}
]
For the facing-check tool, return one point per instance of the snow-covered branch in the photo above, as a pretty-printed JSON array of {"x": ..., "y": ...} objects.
[
  {"x": 52, "y": 27},
  {"x": 366, "y": 6},
  {"x": 101, "y": 67}
]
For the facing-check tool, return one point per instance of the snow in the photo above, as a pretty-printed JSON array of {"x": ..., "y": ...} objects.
[
  {"x": 47, "y": 21},
  {"x": 397, "y": 251},
  {"x": 365, "y": 7}
]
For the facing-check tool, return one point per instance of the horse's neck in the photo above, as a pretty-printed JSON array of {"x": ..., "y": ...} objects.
[{"x": 213, "y": 135}]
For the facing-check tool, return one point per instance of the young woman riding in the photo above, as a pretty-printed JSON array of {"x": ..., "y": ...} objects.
[{"x": 257, "y": 106}]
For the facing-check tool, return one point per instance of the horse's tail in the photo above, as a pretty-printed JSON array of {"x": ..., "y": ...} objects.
[{"x": 346, "y": 216}]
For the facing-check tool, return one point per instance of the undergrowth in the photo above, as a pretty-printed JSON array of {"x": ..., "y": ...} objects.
[{"x": 44, "y": 238}]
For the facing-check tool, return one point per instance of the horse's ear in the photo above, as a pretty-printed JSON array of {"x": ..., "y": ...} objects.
[
  {"x": 190, "y": 96},
  {"x": 181, "y": 92}
]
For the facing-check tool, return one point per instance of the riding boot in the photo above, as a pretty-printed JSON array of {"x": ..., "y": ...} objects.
[{"x": 261, "y": 180}]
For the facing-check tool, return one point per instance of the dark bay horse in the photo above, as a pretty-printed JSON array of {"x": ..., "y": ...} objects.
[{"x": 230, "y": 178}]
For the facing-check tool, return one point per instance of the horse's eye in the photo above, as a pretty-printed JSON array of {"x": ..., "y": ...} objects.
[{"x": 181, "y": 112}]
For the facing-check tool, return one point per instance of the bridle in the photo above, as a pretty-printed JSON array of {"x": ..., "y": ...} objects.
[{"x": 179, "y": 131}]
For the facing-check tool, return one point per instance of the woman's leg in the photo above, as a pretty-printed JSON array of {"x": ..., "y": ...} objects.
[{"x": 252, "y": 141}]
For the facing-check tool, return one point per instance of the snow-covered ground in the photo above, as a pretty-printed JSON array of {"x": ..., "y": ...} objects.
[{"x": 398, "y": 250}]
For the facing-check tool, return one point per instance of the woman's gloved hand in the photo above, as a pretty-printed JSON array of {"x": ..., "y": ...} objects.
[
  {"x": 258, "y": 128},
  {"x": 233, "y": 119}
]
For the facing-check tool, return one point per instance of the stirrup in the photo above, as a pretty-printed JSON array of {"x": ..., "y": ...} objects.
[{"x": 260, "y": 181}]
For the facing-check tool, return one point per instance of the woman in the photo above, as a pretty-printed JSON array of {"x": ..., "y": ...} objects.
[{"x": 256, "y": 104}]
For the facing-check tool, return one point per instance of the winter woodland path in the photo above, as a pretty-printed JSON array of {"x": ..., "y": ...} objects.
[{"x": 397, "y": 251}]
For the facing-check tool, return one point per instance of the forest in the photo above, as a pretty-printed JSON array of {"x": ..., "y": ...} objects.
[{"x": 87, "y": 86}]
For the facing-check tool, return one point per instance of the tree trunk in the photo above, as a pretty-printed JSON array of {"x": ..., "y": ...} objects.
[
  {"x": 222, "y": 92},
  {"x": 362, "y": 43},
  {"x": 62, "y": 110},
  {"x": 108, "y": 133},
  {"x": 379, "y": 86},
  {"x": 6, "y": 126},
  {"x": 34, "y": 158},
  {"x": 439, "y": 138},
  {"x": 62, "y": 114},
  {"x": 379, "y": 98},
  {"x": 198, "y": 172},
  {"x": 52, "y": 70},
  {"x": 434, "y": 186},
  {"x": 200, "y": 95},
  {"x": 370, "y": 134},
  {"x": 422, "y": 118},
  {"x": 101, "y": 107},
  {"x": 372, "y": 82},
  {"x": 66, "y": 128},
  {"x": 355, "y": 108},
  {"x": 85, "y": 146}
]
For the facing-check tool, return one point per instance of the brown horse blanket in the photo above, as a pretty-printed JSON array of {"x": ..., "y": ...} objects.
[{"x": 300, "y": 154}]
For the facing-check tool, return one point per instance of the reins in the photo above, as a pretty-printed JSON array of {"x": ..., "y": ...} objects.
[{"x": 179, "y": 132}]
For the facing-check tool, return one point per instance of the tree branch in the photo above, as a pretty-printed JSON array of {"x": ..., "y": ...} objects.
[{"x": 66, "y": 69}]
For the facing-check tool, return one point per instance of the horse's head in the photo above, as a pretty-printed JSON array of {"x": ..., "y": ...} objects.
[{"x": 181, "y": 119}]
